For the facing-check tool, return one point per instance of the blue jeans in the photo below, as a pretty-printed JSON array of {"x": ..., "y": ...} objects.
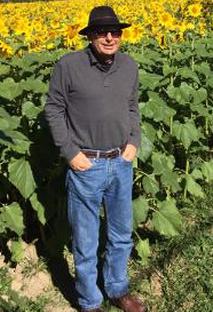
[{"x": 108, "y": 180}]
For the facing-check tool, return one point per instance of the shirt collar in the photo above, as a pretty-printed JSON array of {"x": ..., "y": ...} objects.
[{"x": 94, "y": 61}]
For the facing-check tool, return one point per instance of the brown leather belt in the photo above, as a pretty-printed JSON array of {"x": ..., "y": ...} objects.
[{"x": 115, "y": 152}]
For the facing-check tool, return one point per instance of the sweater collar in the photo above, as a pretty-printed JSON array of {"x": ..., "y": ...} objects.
[{"x": 94, "y": 60}]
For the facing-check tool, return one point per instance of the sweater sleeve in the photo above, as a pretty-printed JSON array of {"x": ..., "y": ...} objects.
[
  {"x": 55, "y": 112},
  {"x": 134, "y": 116}
]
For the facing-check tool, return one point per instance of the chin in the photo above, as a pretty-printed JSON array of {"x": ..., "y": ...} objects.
[{"x": 109, "y": 52}]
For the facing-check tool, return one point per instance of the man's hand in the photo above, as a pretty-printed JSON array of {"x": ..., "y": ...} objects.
[
  {"x": 129, "y": 152},
  {"x": 80, "y": 162}
]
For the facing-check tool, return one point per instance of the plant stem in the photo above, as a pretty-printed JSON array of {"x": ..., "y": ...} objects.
[
  {"x": 206, "y": 126},
  {"x": 171, "y": 124},
  {"x": 193, "y": 58},
  {"x": 186, "y": 172},
  {"x": 136, "y": 233},
  {"x": 187, "y": 167},
  {"x": 206, "y": 121}
]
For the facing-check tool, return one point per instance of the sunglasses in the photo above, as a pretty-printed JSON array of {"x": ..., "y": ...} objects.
[{"x": 101, "y": 33}]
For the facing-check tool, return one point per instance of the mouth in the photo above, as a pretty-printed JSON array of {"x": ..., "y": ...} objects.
[{"x": 108, "y": 46}]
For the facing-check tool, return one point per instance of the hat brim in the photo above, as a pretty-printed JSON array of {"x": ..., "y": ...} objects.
[{"x": 85, "y": 31}]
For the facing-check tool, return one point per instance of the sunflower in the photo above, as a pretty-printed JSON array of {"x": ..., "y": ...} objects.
[
  {"x": 133, "y": 34},
  {"x": 194, "y": 10},
  {"x": 166, "y": 19},
  {"x": 6, "y": 49}
]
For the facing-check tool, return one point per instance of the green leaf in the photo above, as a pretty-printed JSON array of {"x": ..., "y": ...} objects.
[
  {"x": 148, "y": 80},
  {"x": 210, "y": 82},
  {"x": 201, "y": 50},
  {"x": 149, "y": 131},
  {"x": 12, "y": 218},
  {"x": 150, "y": 185},
  {"x": 161, "y": 162},
  {"x": 8, "y": 122},
  {"x": 141, "y": 59},
  {"x": 199, "y": 96},
  {"x": 22, "y": 63},
  {"x": 35, "y": 85},
  {"x": 200, "y": 109},
  {"x": 145, "y": 148},
  {"x": 154, "y": 55},
  {"x": 140, "y": 210},
  {"x": 167, "y": 69},
  {"x": 20, "y": 175},
  {"x": 9, "y": 89},
  {"x": 4, "y": 69},
  {"x": 157, "y": 109},
  {"x": 187, "y": 73},
  {"x": 4, "y": 113},
  {"x": 38, "y": 207},
  {"x": 186, "y": 133},
  {"x": 21, "y": 142},
  {"x": 193, "y": 187},
  {"x": 170, "y": 179},
  {"x": 15, "y": 140},
  {"x": 143, "y": 251},
  {"x": 197, "y": 174},
  {"x": 30, "y": 110},
  {"x": 167, "y": 221},
  {"x": 203, "y": 68},
  {"x": 17, "y": 251},
  {"x": 186, "y": 55},
  {"x": 2, "y": 227},
  {"x": 46, "y": 71},
  {"x": 182, "y": 94},
  {"x": 207, "y": 170}
]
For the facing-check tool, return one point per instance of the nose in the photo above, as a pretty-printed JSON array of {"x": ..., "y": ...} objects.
[{"x": 109, "y": 36}]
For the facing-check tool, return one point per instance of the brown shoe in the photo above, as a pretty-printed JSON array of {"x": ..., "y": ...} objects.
[
  {"x": 129, "y": 303},
  {"x": 92, "y": 310}
]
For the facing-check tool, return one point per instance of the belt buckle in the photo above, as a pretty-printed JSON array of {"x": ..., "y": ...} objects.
[
  {"x": 112, "y": 153},
  {"x": 115, "y": 152}
]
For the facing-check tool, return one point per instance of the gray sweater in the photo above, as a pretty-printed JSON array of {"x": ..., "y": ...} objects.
[{"x": 88, "y": 107}]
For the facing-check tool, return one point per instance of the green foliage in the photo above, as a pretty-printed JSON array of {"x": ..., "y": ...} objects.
[
  {"x": 11, "y": 217},
  {"x": 175, "y": 96},
  {"x": 175, "y": 101},
  {"x": 178, "y": 276},
  {"x": 20, "y": 175},
  {"x": 27, "y": 152},
  {"x": 140, "y": 210},
  {"x": 17, "y": 251},
  {"x": 167, "y": 219},
  {"x": 143, "y": 251},
  {"x": 11, "y": 301}
]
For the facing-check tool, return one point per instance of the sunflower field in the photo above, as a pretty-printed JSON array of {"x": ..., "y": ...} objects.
[
  {"x": 39, "y": 26},
  {"x": 172, "y": 42}
]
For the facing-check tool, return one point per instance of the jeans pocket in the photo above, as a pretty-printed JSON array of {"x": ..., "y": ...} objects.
[
  {"x": 90, "y": 168},
  {"x": 87, "y": 182},
  {"x": 125, "y": 160}
]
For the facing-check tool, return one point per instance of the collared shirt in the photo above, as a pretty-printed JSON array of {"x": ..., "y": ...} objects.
[
  {"x": 88, "y": 107},
  {"x": 104, "y": 66}
]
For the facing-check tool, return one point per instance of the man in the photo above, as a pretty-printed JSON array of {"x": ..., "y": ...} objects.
[{"x": 93, "y": 115}]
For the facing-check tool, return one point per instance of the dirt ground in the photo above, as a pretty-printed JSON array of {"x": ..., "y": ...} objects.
[{"x": 32, "y": 279}]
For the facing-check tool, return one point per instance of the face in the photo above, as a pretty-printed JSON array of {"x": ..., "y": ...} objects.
[{"x": 106, "y": 41}]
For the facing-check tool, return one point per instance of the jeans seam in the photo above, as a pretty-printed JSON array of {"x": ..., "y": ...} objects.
[
  {"x": 91, "y": 307},
  {"x": 108, "y": 251}
]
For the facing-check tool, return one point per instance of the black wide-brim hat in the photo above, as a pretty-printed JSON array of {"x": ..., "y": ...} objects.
[{"x": 102, "y": 16}]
